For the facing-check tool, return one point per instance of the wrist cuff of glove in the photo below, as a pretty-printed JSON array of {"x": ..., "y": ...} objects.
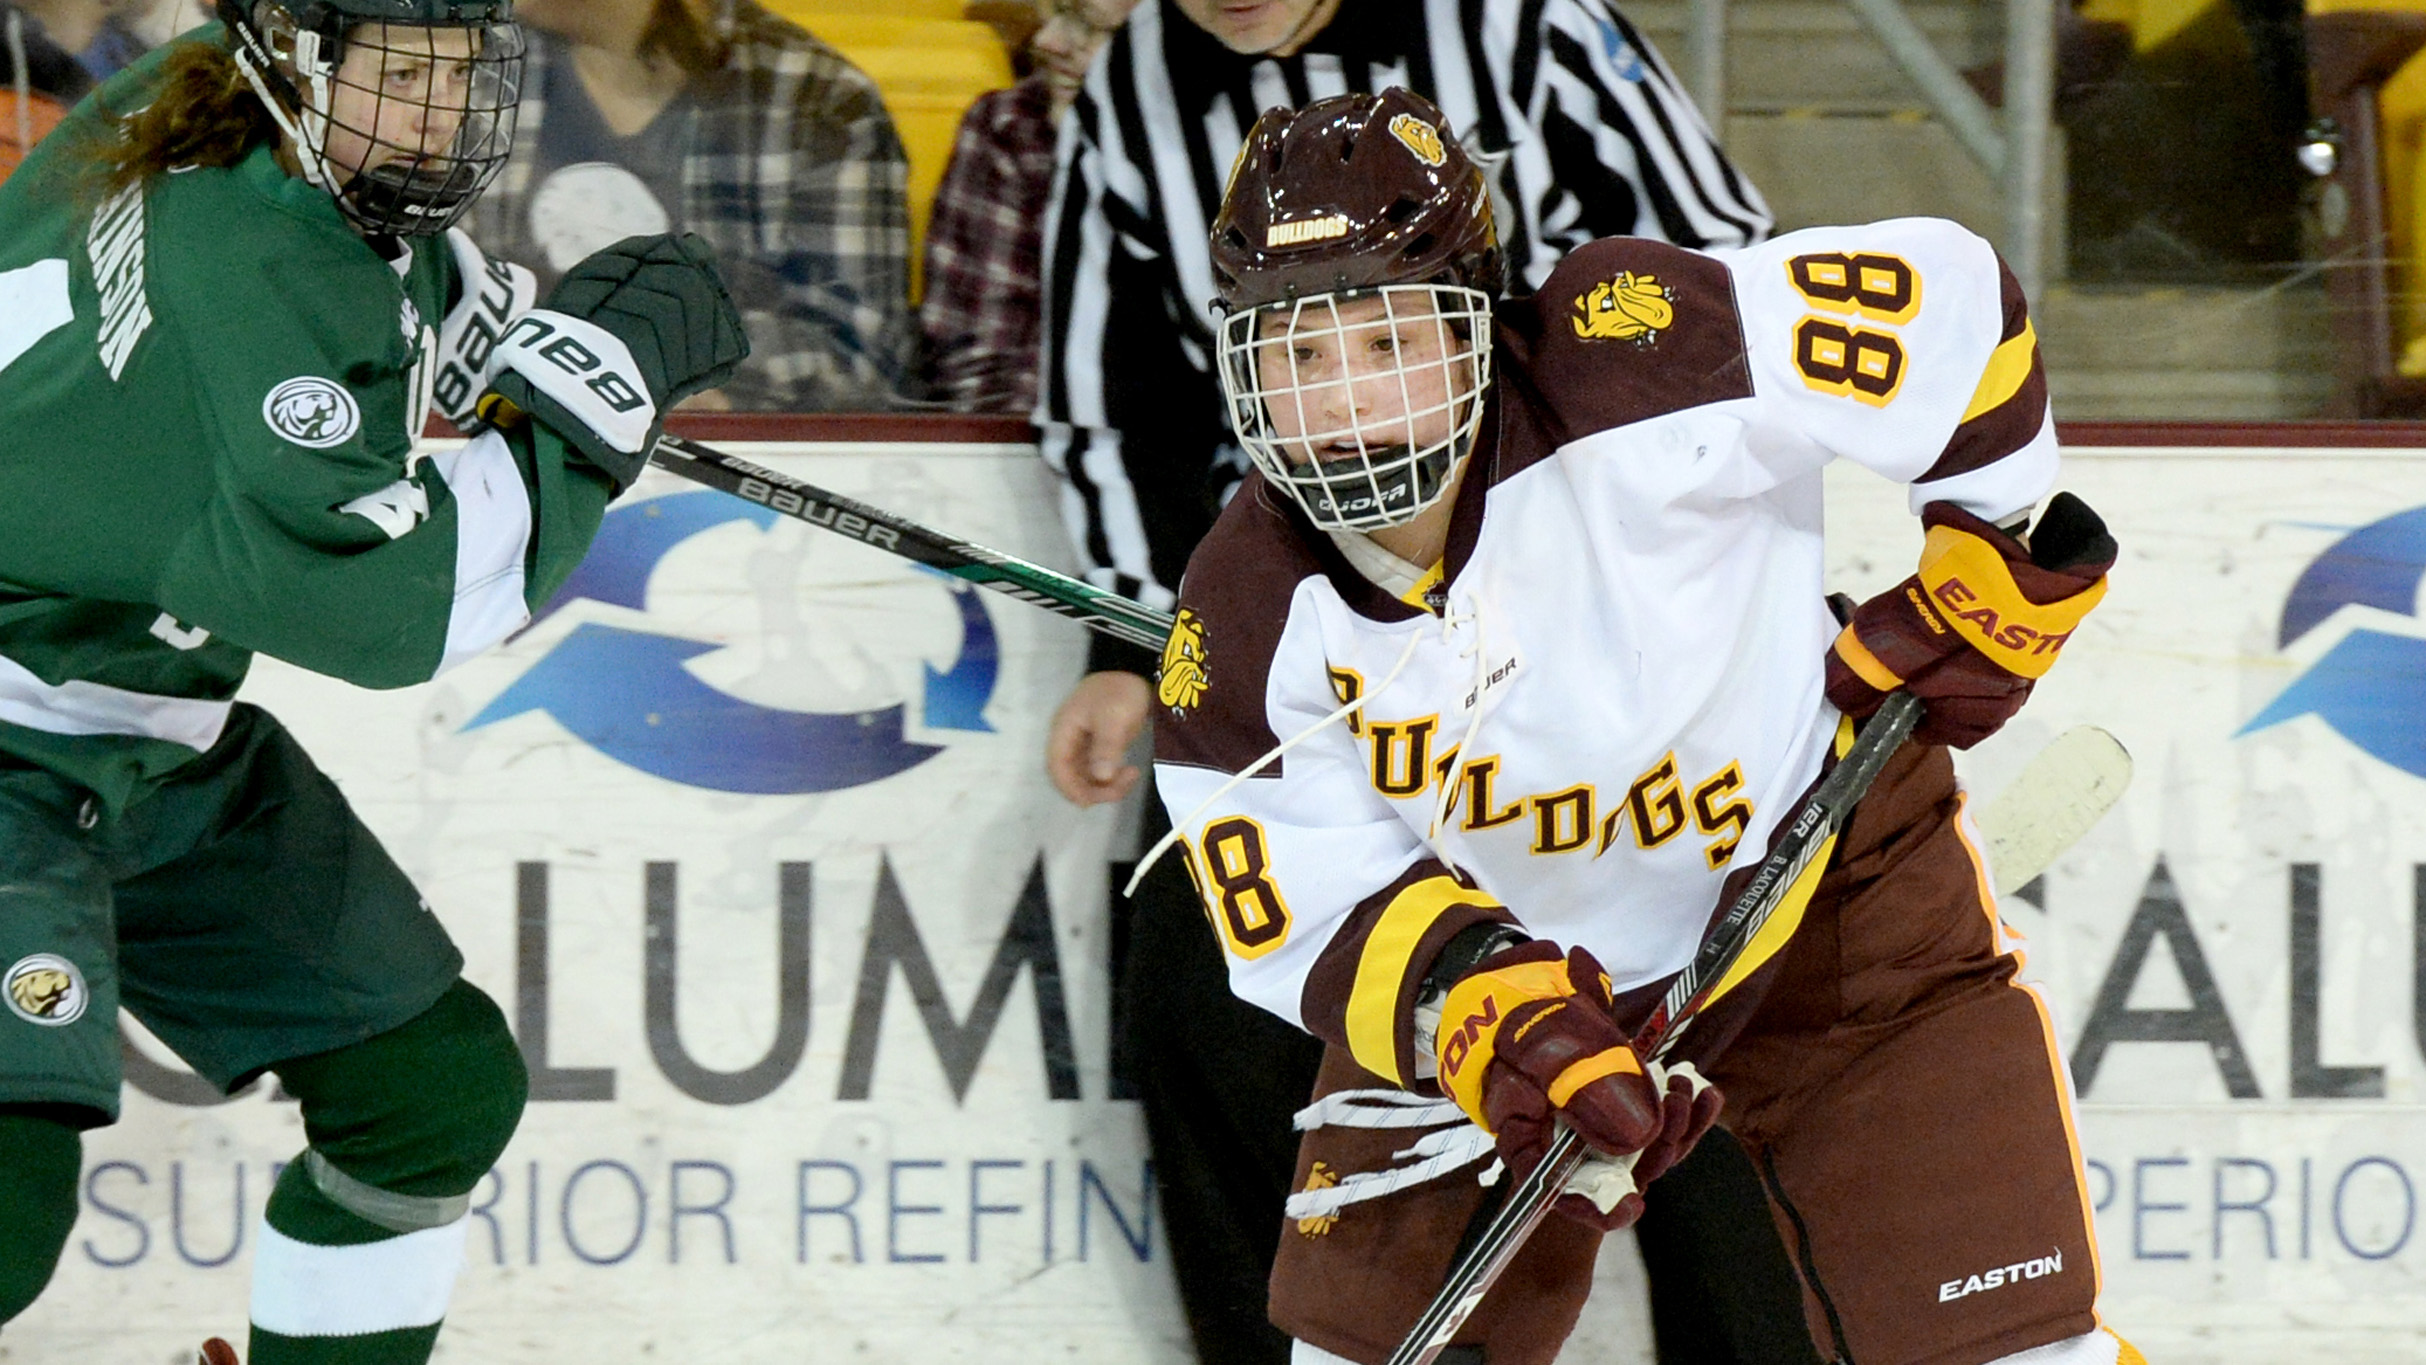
[
  {"x": 1981, "y": 594},
  {"x": 587, "y": 374},
  {"x": 1864, "y": 667},
  {"x": 512, "y": 401},
  {"x": 1484, "y": 1003}
]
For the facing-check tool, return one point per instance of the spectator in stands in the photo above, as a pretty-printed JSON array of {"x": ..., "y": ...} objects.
[
  {"x": 985, "y": 250},
  {"x": 106, "y": 36},
  {"x": 39, "y": 79},
  {"x": 32, "y": 57},
  {"x": 716, "y": 117}
]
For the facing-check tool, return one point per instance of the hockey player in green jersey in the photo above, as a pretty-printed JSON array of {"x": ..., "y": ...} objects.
[{"x": 229, "y": 298}]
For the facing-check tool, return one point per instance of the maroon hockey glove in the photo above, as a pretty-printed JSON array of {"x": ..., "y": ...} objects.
[
  {"x": 1980, "y": 623},
  {"x": 1530, "y": 1039},
  {"x": 1608, "y": 1194}
]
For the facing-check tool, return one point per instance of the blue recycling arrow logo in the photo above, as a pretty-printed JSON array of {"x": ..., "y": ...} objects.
[
  {"x": 630, "y": 695},
  {"x": 2371, "y": 686}
]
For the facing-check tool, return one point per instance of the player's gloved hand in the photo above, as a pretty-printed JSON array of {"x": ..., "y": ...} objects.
[
  {"x": 1606, "y": 1192},
  {"x": 622, "y": 338},
  {"x": 1528, "y": 1039},
  {"x": 1980, "y": 623}
]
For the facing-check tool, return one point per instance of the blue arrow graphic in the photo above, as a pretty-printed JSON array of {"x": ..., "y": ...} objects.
[
  {"x": 2369, "y": 688},
  {"x": 626, "y": 694},
  {"x": 633, "y": 538},
  {"x": 957, "y": 700},
  {"x": 2377, "y": 565}
]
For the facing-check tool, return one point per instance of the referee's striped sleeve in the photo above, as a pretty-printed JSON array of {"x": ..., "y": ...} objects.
[
  {"x": 1075, "y": 434},
  {"x": 1623, "y": 135}
]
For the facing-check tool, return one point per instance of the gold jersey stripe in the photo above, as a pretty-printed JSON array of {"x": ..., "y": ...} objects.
[
  {"x": 1389, "y": 955},
  {"x": 1415, "y": 596},
  {"x": 2008, "y": 367}
]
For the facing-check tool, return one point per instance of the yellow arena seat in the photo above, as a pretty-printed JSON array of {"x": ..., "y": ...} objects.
[
  {"x": 806, "y": 12},
  {"x": 929, "y": 72},
  {"x": 2152, "y": 22}
]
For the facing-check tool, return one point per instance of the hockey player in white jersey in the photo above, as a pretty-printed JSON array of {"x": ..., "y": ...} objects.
[{"x": 1499, "y": 676}]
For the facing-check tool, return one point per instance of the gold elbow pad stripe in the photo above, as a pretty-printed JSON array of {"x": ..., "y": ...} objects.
[
  {"x": 1973, "y": 586},
  {"x": 1617, "y": 1061},
  {"x": 2008, "y": 369},
  {"x": 1387, "y": 960},
  {"x": 1865, "y": 665}
]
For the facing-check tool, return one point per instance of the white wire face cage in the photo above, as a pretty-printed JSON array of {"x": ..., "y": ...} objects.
[
  {"x": 372, "y": 111},
  {"x": 1360, "y": 404}
]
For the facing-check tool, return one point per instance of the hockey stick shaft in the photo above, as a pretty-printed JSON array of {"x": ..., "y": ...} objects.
[
  {"x": 1829, "y": 807},
  {"x": 1083, "y": 602}
]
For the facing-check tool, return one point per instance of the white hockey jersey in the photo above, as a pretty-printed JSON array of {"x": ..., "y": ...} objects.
[{"x": 1611, "y": 686}]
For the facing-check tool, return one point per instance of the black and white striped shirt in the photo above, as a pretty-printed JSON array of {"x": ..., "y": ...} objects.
[{"x": 1586, "y": 130}]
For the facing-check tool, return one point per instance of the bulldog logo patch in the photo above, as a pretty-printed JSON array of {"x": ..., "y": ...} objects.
[
  {"x": 1419, "y": 137},
  {"x": 1631, "y": 307},
  {"x": 1184, "y": 676}
]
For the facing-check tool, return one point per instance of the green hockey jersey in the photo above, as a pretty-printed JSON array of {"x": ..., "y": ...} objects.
[{"x": 211, "y": 398}]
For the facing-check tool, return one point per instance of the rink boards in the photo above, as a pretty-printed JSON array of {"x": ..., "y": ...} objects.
[{"x": 751, "y": 840}]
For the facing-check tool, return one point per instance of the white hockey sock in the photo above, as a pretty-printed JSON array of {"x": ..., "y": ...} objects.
[
  {"x": 2100, "y": 1347},
  {"x": 302, "y": 1290}
]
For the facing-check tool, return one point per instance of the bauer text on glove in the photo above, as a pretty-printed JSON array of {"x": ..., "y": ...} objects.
[{"x": 627, "y": 334}]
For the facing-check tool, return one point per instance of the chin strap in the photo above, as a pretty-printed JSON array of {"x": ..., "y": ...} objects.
[{"x": 310, "y": 138}]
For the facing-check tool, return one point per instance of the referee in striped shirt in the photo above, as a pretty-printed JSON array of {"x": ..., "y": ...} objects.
[{"x": 1586, "y": 134}]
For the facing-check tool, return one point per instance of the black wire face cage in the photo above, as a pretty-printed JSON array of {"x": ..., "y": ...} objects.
[{"x": 404, "y": 123}]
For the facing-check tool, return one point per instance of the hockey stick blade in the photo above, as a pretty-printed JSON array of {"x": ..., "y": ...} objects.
[
  {"x": 1829, "y": 807},
  {"x": 2060, "y": 795},
  {"x": 1034, "y": 584}
]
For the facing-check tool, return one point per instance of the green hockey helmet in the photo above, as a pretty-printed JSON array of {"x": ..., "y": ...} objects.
[{"x": 403, "y": 110}]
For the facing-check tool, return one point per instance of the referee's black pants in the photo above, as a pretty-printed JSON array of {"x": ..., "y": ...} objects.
[{"x": 1221, "y": 1080}]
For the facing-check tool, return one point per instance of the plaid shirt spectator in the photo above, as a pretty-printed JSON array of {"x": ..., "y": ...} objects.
[
  {"x": 795, "y": 175},
  {"x": 985, "y": 254}
]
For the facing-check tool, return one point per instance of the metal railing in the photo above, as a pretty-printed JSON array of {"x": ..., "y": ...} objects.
[{"x": 2011, "y": 147}]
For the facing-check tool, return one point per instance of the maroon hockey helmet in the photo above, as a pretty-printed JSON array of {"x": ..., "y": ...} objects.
[
  {"x": 1357, "y": 265},
  {"x": 1348, "y": 193}
]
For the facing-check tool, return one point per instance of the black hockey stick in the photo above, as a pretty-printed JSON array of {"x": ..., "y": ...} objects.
[
  {"x": 1083, "y": 602},
  {"x": 1830, "y": 806}
]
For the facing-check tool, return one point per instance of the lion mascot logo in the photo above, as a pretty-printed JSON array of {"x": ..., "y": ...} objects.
[
  {"x": 1632, "y": 307},
  {"x": 1184, "y": 676}
]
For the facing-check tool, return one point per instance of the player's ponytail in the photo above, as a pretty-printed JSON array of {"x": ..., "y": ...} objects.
[{"x": 202, "y": 114}]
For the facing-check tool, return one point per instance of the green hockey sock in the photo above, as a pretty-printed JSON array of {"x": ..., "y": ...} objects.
[
  {"x": 365, "y": 1231},
  {"x": 39, "y": 1160},
  {"x": 331, "y": 1288}
]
